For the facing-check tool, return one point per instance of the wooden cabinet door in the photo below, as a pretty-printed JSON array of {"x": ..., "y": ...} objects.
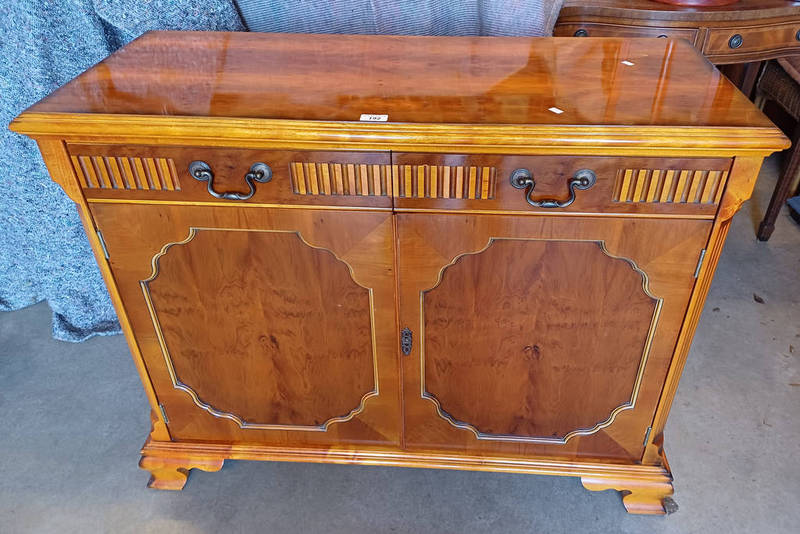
[
  {"x": 539, "y": 335},
  {"x": 271, "y": 326}
]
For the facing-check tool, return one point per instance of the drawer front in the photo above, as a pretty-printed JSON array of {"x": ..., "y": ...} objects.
[
  {"x": 155, "y": 173},
  {"x": 621, "y": 30},
  {"x": 738, "y": 41},
  {"x": 660, "y": 186}
]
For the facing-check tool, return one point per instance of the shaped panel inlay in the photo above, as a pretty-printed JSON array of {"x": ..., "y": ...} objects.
[
  {"x": 251, "y": 322},
  {"x": 536, "y": 340}
]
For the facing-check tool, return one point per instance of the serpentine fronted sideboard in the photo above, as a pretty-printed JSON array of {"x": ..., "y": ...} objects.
[
  {"x": 467, "y": 253},
  {"x": 738, "y": 36},
  {"x": 746, "y": 30}
]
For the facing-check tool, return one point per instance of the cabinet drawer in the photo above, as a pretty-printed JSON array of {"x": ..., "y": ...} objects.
[
  {"x": 155, "y": 173},
  {"x": 666, "y": 186},
  {"x": 736, "y": 41},
  {"x": 596, "y": 29}
]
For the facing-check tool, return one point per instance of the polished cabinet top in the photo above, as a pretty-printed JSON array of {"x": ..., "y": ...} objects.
[
  {"x": 402, "y": 83},
  {"x": 410, "y": 79}
]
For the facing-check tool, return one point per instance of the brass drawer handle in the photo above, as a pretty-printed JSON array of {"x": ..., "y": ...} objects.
[
  {"x": 582, "y": 180},
  {"x": 259, "y": 172}
]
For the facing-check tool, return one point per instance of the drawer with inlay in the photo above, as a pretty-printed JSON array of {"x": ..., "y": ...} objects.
[
  {"x": 559, "y": 184},
  {"x": 231, "y": 176},
  {"x": 741, "y": 41},
  {"x": 601, "y": 29}
]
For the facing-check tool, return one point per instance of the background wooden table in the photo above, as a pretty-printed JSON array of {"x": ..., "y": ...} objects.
[{"x": 739, "y": 36}]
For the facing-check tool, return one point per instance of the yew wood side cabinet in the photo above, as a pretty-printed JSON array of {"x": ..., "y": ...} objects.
[{"x": 461, "y": 253}]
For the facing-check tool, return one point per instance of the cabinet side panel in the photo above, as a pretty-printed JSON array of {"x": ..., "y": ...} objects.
[
  {"x": 744, "y": 174},
  {"x": 58, "y": 162}
]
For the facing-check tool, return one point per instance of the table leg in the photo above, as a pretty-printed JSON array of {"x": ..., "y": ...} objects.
[{"x": 790, "y": 169}]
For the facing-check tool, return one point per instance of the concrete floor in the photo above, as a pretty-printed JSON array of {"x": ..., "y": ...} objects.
[{"x": 74, "y": 416}]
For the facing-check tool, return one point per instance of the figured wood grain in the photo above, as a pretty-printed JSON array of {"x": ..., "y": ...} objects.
[
  {"x": 261, "y": 324},
  {"x": 490, "y": 380},
  {"x": 495, "y": 357},
  {"x": 253, "y": 331}
]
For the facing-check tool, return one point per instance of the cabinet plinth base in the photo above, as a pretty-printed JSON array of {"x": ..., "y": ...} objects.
[
  {"x": 639, "y": 495},
  {"x": 645, "y": 488},
  {"x": 172, "y": 473}
]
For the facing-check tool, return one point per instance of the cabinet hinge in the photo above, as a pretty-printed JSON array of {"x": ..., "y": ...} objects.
[
  {"x": 647, "y": 434},
  {"x": 102, "y": 243},
  {"x": 700, "y": 263},
  {"x": 163, "y": 413}
]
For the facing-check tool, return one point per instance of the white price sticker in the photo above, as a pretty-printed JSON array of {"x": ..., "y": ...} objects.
[{"x": 371, "y": 117}]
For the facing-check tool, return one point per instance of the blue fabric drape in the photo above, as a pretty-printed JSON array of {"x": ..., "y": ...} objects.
[
  {"x": 44, "y": 254},
  {"x": 403, "y": 17}
]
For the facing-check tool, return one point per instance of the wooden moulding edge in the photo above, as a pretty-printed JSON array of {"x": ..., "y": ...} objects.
[
  {"x": 400, "y": 458},
  {"x": 267, "y": 133}
]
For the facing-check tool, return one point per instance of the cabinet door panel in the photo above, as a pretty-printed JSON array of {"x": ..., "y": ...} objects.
[
  {"x": 540, "y": 335},
  {"x": 269, "y": 326}
]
